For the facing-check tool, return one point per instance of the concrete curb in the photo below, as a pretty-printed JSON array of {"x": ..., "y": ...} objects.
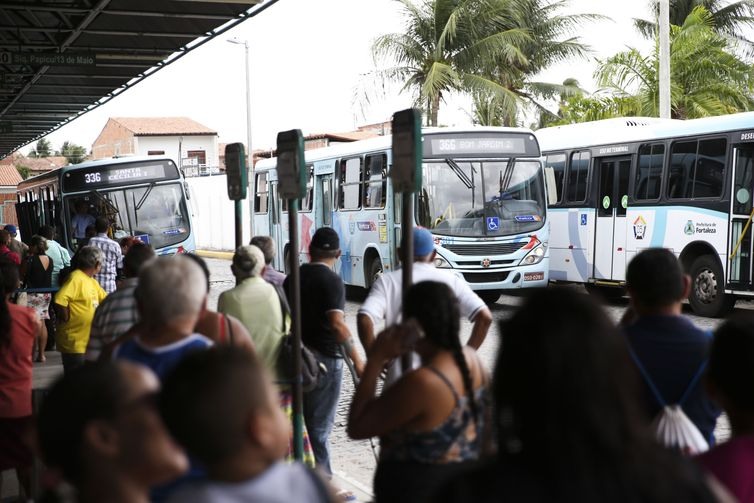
[
  {"x": 343, "y": 481},
  {"x": 215, "y": 254}
]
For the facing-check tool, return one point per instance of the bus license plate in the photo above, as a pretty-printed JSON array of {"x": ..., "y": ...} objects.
[{"x": 534, "y": 276}]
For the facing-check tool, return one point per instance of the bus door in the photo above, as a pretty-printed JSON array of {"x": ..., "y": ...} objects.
[
  {"x": 740, "y": 245},
  {"x": 324, "y": 200},
  {"x": 610, "y": 233}
]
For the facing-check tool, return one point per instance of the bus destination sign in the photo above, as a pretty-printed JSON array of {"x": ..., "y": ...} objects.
[
  {"x": 105, "y": 176},
  {"x": 481, "y": 145}
]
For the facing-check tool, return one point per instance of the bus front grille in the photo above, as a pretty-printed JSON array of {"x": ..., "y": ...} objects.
[
  {"x": 485, "y": 249},
  {"x": 485, "y": 277}
]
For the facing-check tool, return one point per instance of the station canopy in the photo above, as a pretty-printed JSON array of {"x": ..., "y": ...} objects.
[{"x": 62, "y": 58}]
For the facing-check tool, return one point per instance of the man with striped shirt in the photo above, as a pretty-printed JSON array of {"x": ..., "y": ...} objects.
[
  {"x": 113, "y": 255},
  {"x": 118, "y": 313}
]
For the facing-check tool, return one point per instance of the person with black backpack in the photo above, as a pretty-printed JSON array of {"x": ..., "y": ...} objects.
[{"x": 668, "y": 350}]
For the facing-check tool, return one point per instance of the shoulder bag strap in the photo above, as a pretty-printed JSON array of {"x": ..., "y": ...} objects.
[
  {"x": 694, "y": 381},
  {"x": 647, "y": 379}
]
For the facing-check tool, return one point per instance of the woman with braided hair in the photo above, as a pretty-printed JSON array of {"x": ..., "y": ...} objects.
[{"x": 431, "y": 421}]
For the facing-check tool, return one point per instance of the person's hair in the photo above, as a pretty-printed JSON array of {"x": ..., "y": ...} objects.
[
  {"x": 654, "y": 278},
  {"x": 38, "y": 242},
  {"x": 248, "y": 261},
  {"x": 9, "y": 276},
  {"x": 202, "y": 265},
  {"x": 90, "y": 231},
  {"x": 88, "y": 393},
  {"x": 567, "y": 406},
  {"x": 731, "y": 361},
  {"x": 101, "y": 225},
  {"x": 435, "y": 307},
  {"x": 169, "y": 288},
  {"x": 206, "y": 401},
  {"x": 4, "y": 237},
  {"x": 267, "y": 245},
  {"x": 87, "y": 257},
  {"x": 320, "y": 254},
  {"x": 47, "y": 231},
  {"x": 137, "y": 256}
]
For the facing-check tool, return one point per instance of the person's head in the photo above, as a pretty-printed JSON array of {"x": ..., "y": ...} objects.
[
  {"x": 137, "y": 256},
  {"x": 126, "y": 243},
  {"x": 101, "y": 225},
  {"x": 82, "y": 207},
  {"x": 9, "y": 282},
  {"x": 248, "y": 262},
  {"x": 171, "y": 292},
  {"x": 730, "y": 371},
  {"x": 267, "y": 245},
  {"x": 424, "y": 245},
  {"x": 4, "y": 237},
  {"x": 89, "y": 259},
  {"x": 12, "y": 230},
  {"x": 101, "y": 421},
  {"x": 47, "y": 232},
  {"x": 221, "y": 406},
  {"x": 90, "y": 231},
  {"x": 202, "y": 265},
  {"x": 37, "y": 245},
  {"x": 564, "y": 382},
  {"x": 325, "y": 244},
  {"x": 655, "y": 281}
]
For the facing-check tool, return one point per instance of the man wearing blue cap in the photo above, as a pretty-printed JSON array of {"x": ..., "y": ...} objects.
[
  {"x": 385, "y": 299},
  {"x": 16, "y": 245}
]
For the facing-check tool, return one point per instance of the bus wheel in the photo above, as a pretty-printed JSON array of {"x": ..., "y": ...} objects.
[
  {"x": 707, "y": 297},
  {"x": 374, "y": 271},
  {"x": 606, "y": 293},
  {"x": 489, "y": 296}
]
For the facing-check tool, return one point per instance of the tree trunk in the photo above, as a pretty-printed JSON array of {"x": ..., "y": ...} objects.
[{"x": 434, "y": 109}]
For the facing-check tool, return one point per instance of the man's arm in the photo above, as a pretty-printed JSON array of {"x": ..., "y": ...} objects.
[
  {"x": 63, "y": 312},
  {"x": 365, "y": 328},
  {"x": 482, "y": 321},
  {"x": 337, "y": 321}
]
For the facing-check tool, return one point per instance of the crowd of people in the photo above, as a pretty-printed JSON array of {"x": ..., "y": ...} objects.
[{"x": 165, "y": 399}]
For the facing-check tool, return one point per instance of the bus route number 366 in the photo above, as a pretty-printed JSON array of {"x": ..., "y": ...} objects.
[{"x": 92, "y": 177}]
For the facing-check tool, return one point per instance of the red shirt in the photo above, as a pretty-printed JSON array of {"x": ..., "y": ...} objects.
[
  {"x": 732, "y": 463},
  {"x": 13, "y": 256},
  {"x": 16, "y": 363}
]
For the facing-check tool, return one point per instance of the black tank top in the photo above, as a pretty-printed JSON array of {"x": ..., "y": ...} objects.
[{"x": 36, "y": 275}]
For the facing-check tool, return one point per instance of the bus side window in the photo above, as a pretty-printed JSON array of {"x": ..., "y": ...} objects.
[
  {"x": 556, "y": 163},
  {"x": 327, "y": 201},
  {"x": 375, "y": 181},
  {"x": 349, "y": 188},
  {"x": 649, "y": 172},
  {"x": 262, "y": 195},
  {"x": 577, "y": 177},
  {"x": 306, "y": 203},
  {"x": 697, "y": 169}
]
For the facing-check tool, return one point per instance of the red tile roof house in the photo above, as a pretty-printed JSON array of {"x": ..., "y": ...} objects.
[
  {"x": 9, "y": 179},
  {"x": 191, "y": 145}
]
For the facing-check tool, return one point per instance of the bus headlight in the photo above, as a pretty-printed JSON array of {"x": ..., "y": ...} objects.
[
  {"x": 441, "y": 263},
  {"x": 535, "y": 256}
]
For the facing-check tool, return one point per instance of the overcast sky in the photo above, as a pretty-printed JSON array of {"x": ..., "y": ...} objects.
[{"x": 308, "y": 61}]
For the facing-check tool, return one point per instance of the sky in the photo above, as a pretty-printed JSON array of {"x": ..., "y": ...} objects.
[{"x": 309, "y": 64}]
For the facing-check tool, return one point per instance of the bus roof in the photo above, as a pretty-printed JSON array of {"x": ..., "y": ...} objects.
[
  {"x": 46, "y": 177},
  {"x": 384, "y": 142},
  {"x": 632, "y": 129}
]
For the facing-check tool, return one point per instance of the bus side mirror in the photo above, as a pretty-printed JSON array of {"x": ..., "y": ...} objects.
[{"x": 552, "y": 186}]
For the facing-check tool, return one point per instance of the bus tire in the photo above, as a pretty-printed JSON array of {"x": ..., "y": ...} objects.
[
  {"x": 707, "y": 296},
  {"x": 606, "y": 293},
  {"x": 374, "y": 271},
  {"x": 489, "y": 296}
]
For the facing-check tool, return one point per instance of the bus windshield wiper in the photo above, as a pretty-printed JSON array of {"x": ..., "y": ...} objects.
[
  {"x": 459, "y": 173},
  {"x": 113, "y": 209},
  {"x": 144, "y": 197}
]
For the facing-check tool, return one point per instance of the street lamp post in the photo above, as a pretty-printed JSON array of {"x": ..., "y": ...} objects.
[{"x": 249, "y": 152}]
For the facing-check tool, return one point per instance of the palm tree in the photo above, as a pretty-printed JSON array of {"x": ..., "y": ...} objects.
[
  {"x": 728, "y": 18},
  {"x": 444, "y": 47},
  {"x": 706, "y": 79}
]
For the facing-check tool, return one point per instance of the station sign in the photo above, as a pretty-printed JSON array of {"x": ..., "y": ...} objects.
[{"x": 48, "y": 58}]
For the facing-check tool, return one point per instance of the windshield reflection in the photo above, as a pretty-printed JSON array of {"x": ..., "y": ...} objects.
[{"x": 481, "y": 198}]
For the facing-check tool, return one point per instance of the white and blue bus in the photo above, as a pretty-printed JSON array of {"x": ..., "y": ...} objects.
[
  {"x": 482, "y": 197},
  {"x": 622, "y": 185},
  {"x": 140, "y": 196}
]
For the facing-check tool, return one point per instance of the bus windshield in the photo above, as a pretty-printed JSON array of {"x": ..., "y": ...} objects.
[
  {"x": 156, "y": 214},
  {"x": 460, "y": 197}
]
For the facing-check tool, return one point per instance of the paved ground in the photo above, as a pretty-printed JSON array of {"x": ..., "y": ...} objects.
[{"x": 354, "y": 461}]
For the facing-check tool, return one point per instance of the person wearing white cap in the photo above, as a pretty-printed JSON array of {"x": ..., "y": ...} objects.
[{"x": 384, "y": 301}]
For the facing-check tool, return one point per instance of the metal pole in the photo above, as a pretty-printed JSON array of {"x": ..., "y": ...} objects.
[
  {"x": 238, "y": 223},
  {"x": 664, "y": 34},
  {"x": 250, "y": 152},
  {"x": 407, "y": 258},
  {"x": 295, "y": 290}
]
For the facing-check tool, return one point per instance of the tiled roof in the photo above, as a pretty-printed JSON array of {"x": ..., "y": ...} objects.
[
  {"x": 349, "y": 136},
  {"x": 159, "y": 126},
  {"x": 44, "y": 164},
  {"x": 9, "y": 176}
]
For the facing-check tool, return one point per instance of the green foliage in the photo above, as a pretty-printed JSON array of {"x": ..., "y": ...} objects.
[
  {"x": 24, "y": 171},
  {"x": 43, "y": 148},
  {"x": 590, "y": 108},
  {"x": 706, "y": 77},
  {"x": 72, "y": 152}
]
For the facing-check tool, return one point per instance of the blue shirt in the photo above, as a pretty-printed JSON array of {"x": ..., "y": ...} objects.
[
  {"x": 671, "y": 348},
  {"x": 161, "y": 359}
]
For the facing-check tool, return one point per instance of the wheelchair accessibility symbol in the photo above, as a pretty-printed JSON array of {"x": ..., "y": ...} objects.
[{"x": 493, "y": 223}]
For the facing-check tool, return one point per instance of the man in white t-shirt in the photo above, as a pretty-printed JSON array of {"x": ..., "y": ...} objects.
[{"x": 385, "y": 303}]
